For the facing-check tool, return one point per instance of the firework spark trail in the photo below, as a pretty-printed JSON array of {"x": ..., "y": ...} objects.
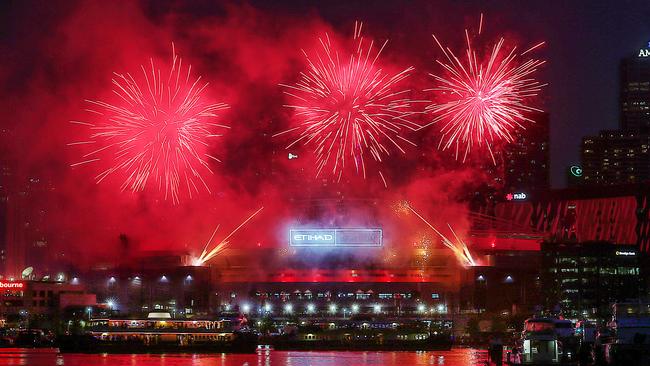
[
  {"x": 159, "y": 129},
  {"x": 349, "y": 107},
  {"x": 223, "y": 244},
  {"x": 460, "y": 249},
  {"x": 485, "y": 99}
]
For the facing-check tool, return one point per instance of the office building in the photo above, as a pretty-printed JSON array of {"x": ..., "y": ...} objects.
[{"x": 583, "y": 280}]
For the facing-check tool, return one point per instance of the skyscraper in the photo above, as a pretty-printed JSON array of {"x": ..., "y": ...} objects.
[
  {"x": 615, "y": 157},
  {"x": 526, "y": 160},
  {"x": 622, "y": 156},
  {"x": 635, "y": 92}
]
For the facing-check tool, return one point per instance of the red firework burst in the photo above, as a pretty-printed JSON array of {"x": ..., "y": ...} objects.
[
  {"x": 349, "y": 107},
  {"x": 485, "y": 100},
  {"x": 160, "y": 128}
]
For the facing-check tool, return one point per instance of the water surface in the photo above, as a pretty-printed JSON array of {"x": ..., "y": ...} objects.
[{"x": 455, "y": 357}]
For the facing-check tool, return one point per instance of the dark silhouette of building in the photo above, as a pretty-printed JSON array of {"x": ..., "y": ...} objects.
[
  {"x": 521, "y": 166},
  {"x": 583, "y": 280},
  {"x": 510, "y": 283},
  {"x": 526, "y": 160},
  {"x": 635, "y": 92},
  {"x": 616, "y": 157},
  {"x": 622, "y": 156}
]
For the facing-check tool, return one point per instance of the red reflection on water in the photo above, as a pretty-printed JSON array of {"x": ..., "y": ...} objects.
[{"x": 455, "y": 357}]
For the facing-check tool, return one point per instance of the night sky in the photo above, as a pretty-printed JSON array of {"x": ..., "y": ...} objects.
[
  {"x": 585, "y": 42},
  {"x": 56, "y": 54}
]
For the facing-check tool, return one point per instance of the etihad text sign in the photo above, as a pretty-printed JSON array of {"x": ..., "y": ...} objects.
[{"x": 335, "y": 237}]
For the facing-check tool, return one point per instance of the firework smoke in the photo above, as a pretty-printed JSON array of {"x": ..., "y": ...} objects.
[{"x": 160, "y": 128}]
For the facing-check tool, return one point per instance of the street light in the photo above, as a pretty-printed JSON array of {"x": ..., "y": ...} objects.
[
  {"x": 268, "y": 307},
  {"x": 332, "y": 308},
  {"x": 288, "y": 308},
  {"x": 355, "y": 308},
  {"x": 376, "y": 308},
  {"x": 311, "y": 308},
  {"x": 245, "y": 308},
  {"x": 421, "y": 308}
]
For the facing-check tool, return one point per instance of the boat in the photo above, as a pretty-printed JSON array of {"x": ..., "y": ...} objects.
[
  {"x": 363, "y": 335},
  {"x": 152, "y": 335},
  {"x": 548, "y": 341},
  {"x": 630, "y": 343}
]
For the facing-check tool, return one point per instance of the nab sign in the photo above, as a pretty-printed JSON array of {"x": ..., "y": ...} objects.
[
  {"x": 335, "y": 237},
  {"x": 516, "y": 196}
]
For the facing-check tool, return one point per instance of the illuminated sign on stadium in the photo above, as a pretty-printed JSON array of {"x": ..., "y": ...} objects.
[
  {"x": 335, "y": 237},
  {"x": 11, "y": 285}
]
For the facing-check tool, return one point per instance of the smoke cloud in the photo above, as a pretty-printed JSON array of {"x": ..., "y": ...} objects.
[{"x": 67, "y": 54}]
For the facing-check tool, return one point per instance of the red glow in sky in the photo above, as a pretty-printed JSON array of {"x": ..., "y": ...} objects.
[{"x": 244, "y": 54}]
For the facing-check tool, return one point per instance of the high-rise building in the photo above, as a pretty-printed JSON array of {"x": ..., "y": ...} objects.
[
  {"x": 585, "y": 279},
  {"x": 615, "y": 157},
  {"x": 635, "y": 92},
  {"x": 526, "y": 160},
  {"x": 621, "y": 156}
]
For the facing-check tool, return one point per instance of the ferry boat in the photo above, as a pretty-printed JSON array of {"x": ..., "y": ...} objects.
[
  {"x": 371, "y": 334},
  {"x": 159, "y": 332}
]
